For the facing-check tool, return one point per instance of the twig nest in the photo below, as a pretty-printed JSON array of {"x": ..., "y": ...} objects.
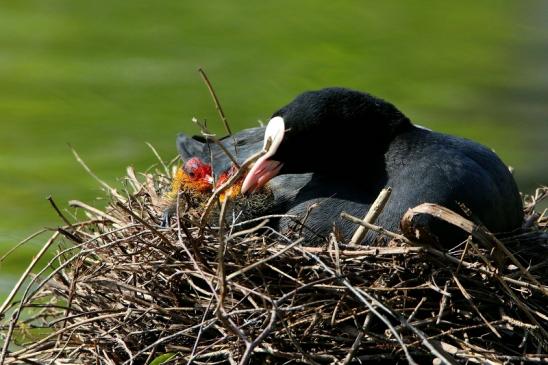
[{"x": 123, "y": 290}]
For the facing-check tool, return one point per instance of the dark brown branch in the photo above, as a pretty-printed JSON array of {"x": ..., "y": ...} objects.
[{"x": 59, "y": 213}]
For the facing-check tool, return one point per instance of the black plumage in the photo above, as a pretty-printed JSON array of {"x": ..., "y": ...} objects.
[{"x": 341, "y": 147}]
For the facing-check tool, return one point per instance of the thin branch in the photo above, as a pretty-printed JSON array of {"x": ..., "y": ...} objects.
[
  {"x": 468, "y": 297},
  {"x": 218, "y": 106},
  {"x": 50, "y": 199},
  {"x": 22, "y": 242},
  {"x": 79, "y": 204},
  {"x": 372, "y": 215},
  {"x": 375, "y": 228},
  {"x": 26, "y": 273},
  {"x": 221, "y": 275},
  {"x": 210, "y": 136},
  {"x": 166, "y": 170},
  {"x": 110, "y": 189}
]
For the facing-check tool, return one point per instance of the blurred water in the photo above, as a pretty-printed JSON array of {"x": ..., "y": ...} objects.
[
  {"x": 108, "y": 76},
  {"x": 7, "y": 282}
]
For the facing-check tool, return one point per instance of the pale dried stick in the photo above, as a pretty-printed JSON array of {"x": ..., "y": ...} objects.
[
  {"x": 166, "y": 170},
  {"x": 110, "y": 189},
  {"x": 27, "y": 272},
  {"x": 372, "y": 215}
]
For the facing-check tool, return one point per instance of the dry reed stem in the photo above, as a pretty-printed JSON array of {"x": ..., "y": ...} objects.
[{"x": 372, "y": 215}]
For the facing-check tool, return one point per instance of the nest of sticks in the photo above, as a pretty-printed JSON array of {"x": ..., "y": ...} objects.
[{"x": 122, "y": 290}]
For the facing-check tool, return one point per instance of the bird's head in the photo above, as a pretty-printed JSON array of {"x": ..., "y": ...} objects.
[
  {"x": 325, "y": 131},
  {"x": 195, "y": 176}
]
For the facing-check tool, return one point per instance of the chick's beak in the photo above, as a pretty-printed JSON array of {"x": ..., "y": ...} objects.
[{"x": 265, "y": 169}]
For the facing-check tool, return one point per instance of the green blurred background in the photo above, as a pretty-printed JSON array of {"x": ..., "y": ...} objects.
[{"x": 106, "y": 76}]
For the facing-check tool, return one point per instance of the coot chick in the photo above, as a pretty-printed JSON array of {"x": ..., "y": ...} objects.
[
  {"x": 194, "y": 178},
  {"x": 206, "y": 167},
  {"x": 354, "y": 144}
]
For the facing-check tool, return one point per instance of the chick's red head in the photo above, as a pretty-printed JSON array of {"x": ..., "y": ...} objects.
[
  {"x": 195, "y": 176},
  {"x": 197, "y": 170}
]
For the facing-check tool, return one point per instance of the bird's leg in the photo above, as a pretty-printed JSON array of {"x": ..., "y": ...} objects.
[{"x": 166, "y": 215}]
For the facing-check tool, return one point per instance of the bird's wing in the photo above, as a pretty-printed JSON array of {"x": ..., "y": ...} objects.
[{"x": 194, "y": 146}]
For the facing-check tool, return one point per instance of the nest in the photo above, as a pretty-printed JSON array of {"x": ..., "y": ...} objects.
[{"x": 122, "y": 290}]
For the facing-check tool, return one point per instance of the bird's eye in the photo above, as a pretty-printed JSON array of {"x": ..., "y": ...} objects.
[{"x": 191, "y": 174}]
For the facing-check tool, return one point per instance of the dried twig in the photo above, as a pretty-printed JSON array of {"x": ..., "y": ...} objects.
[
  {"x": 166, "y": 169},
  {"x": 372, "y": 214},
  {"x": 108, "y": 188},
  {"x": 211, "y": 137},
  {"x": 26, "y": 273},
  {"x": 217, "y": 105},
  {"x": 375, "y": 228}
]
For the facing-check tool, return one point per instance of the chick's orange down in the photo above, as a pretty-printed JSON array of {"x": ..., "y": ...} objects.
[{"x": 233, "y": 190}]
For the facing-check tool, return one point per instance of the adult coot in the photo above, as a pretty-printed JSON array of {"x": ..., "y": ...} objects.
[{"x": 354, "y": 144}]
